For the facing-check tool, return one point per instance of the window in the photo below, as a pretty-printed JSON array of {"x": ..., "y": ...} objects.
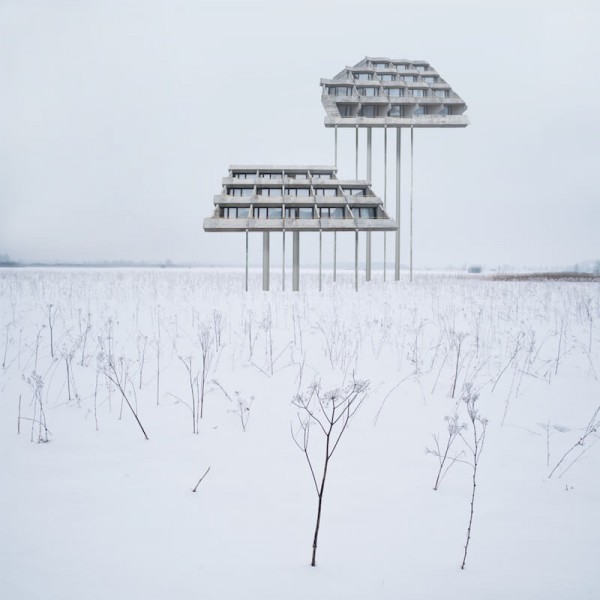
[
  {"x": 364, "y": 212},
  {"x": 270, "y": 175},
  {"x": 420, "y": 68},
  {"x": 345, "y": 110},
  {"x": 297, "y": 192},
  {"x": 395, "y": 92},
  {"x": 244, "y": 175},
  {"x": 363, "y": 76},
  {"x": 368, "y": 111},
  {"x": 269, "y": 191},
  {"x": 441, "y": 93},
  {"x": 274, "y": 212},
  {"x": 368, "y": 91},
  {"x": 417, "y": 92},
  {"x": 354, "y": 192},
  {"x": 325, "y": 192},
  {"x": 443, "y": 111},
  {"x": 239, "y": 191},
  {"x": 332, "y": 212},
  {"x": 235, "y": 212},
  {"x": 339, "y": 91},
  {"x": 430, "y": 79},
  {"x": 380, "y": 65},
  {"x": 321, "y": 175},
  {"x": 295, "y": 212},
  {"x": 408, "y": 78},
  {"x": 401, "y": 67},
  {"x": 396, "y": 111},
  {"x": 260, "y": 212},
  {"x": 387, "y": 77},
  {"x": 419, "y": 110}
]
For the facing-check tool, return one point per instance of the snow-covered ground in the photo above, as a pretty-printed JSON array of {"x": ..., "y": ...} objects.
[{"x": 100, "y": 512}]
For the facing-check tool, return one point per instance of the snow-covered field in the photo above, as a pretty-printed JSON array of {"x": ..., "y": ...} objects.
[{"x": 100, "y": 512}]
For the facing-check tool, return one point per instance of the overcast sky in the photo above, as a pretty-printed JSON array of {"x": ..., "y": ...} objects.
[{"x": 118, "y": 119}]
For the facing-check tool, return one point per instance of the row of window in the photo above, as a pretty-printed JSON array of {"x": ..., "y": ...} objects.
[
  {"x": 376, "y": 91},
  {"x": 400, "y": 66},
  {"x": 296, "y": 212},
  {"x": 396, "y": 110},
  {"x": 280, "y": 175},
  {"x": 394, "y": 77},
  {"x": 301, "y": 192}
]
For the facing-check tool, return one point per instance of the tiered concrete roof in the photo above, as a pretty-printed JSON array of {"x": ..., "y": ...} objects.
[
  {"x": 378, "y": 92},
  {"x": 298, "y": 198}
]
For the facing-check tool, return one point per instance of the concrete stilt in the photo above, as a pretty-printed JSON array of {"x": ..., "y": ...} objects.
[
  {"x": 283, "y": 261},
  {"x": 266, "y": 261},
  {"x": 335, "y": 232},
  {"x": 320, "y": 261},
  {"x": 246, "y": 260},
  {"x": 398, "y": 173},
  {"x": 411, "y": 201},
  {"x": 369, "y": 174},
  {"x": 384, "y": 200},
  {"x": 356, "y": 260},
  {"x": 296, "y": 261}
]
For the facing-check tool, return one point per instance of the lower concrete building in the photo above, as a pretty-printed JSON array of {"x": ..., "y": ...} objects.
[{"x": 295, "y": 199}]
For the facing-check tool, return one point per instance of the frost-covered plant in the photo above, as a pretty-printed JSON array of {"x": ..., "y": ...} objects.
[
  {"x": 328, "y": 414},
  {"x": 476, "y": 429},
  {"x": 443, "y": 451}
]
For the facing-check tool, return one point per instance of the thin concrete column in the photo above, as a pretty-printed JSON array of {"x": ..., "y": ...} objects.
[
  {"x": 336, "y": 146},
  {"x": 295, "y": 261},
  {"x": 266, "y": 261},
  {"x": 335, "y": 232},
  {"x": 246, "y": 260},
  {"x": 335, "y": 256},
  {"x": 411, "y": 201},
  {"x": 356, "y": 155},
  {"x": 398, "y": 168},
  {"x": 283, "y": 260},
  {"x": 356, "y": 260},
  {"x": 320, "y": 260},
  {"x": 369, "y": 173},
  {"x": 384, "y": 198}
]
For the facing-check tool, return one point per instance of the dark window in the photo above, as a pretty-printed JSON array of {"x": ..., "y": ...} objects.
[
  {"x": 363, "y": 76},
  {"x": 297, "y": 192},
  {"x": 239, "y": 192},
  {"x": 306, "y": 213},
  {"x": 269, "y": 191},
  {"x": 380, "y": 65},
  {"x": 368, "y": 91},
  {"x": 396, "y": 111},
  {"x": 291, "y": 212},
  {"x": 368, "y": 111},
  {"x": 417, "y": 92},
  {"x": 325, "y": 192},
  {"x": 260, "y": 212},
  {"x": 345, "y": 110},
  {"x": 332, "y": 212},
  {"x": 387, "y": 77},
  {"x": 363, "y": 212}
]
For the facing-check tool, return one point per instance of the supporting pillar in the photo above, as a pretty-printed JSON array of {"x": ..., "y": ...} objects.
[
  {"x": 246, "y": 260},
  {"x": 398, "y": 167},
  {"x": 266, "y": 261},
  {"x": 320, "y": 260},
  {"x": 411, "y": 202},
  {"x": 336, "y": 146},
  {"x": 356, "y": 260},
  {"x": 335, "y": 256},
  {"x": 283, "y": 261},
  {"x": 335, "y": 232},
  {"x": 356, "y": 155},
  {"x": 296, "y": 261},
  {"x": 369, "y": 174},
  {"x": 384, "y": 198}
]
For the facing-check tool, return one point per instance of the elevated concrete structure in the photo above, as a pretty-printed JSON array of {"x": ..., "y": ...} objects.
[
  {"x": 383, "y": 92},
  {"x": 294, "y": 198}
]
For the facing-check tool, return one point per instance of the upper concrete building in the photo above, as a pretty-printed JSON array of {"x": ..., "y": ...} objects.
[
  {"x": 299, "y": 198},
  {"x": 379, "y": 92}
]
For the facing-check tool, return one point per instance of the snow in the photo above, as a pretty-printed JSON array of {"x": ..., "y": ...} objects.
[{"x": 99, "y": 512}]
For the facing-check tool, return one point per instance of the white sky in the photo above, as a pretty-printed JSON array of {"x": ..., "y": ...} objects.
[{"x": 118, "y": 119}]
